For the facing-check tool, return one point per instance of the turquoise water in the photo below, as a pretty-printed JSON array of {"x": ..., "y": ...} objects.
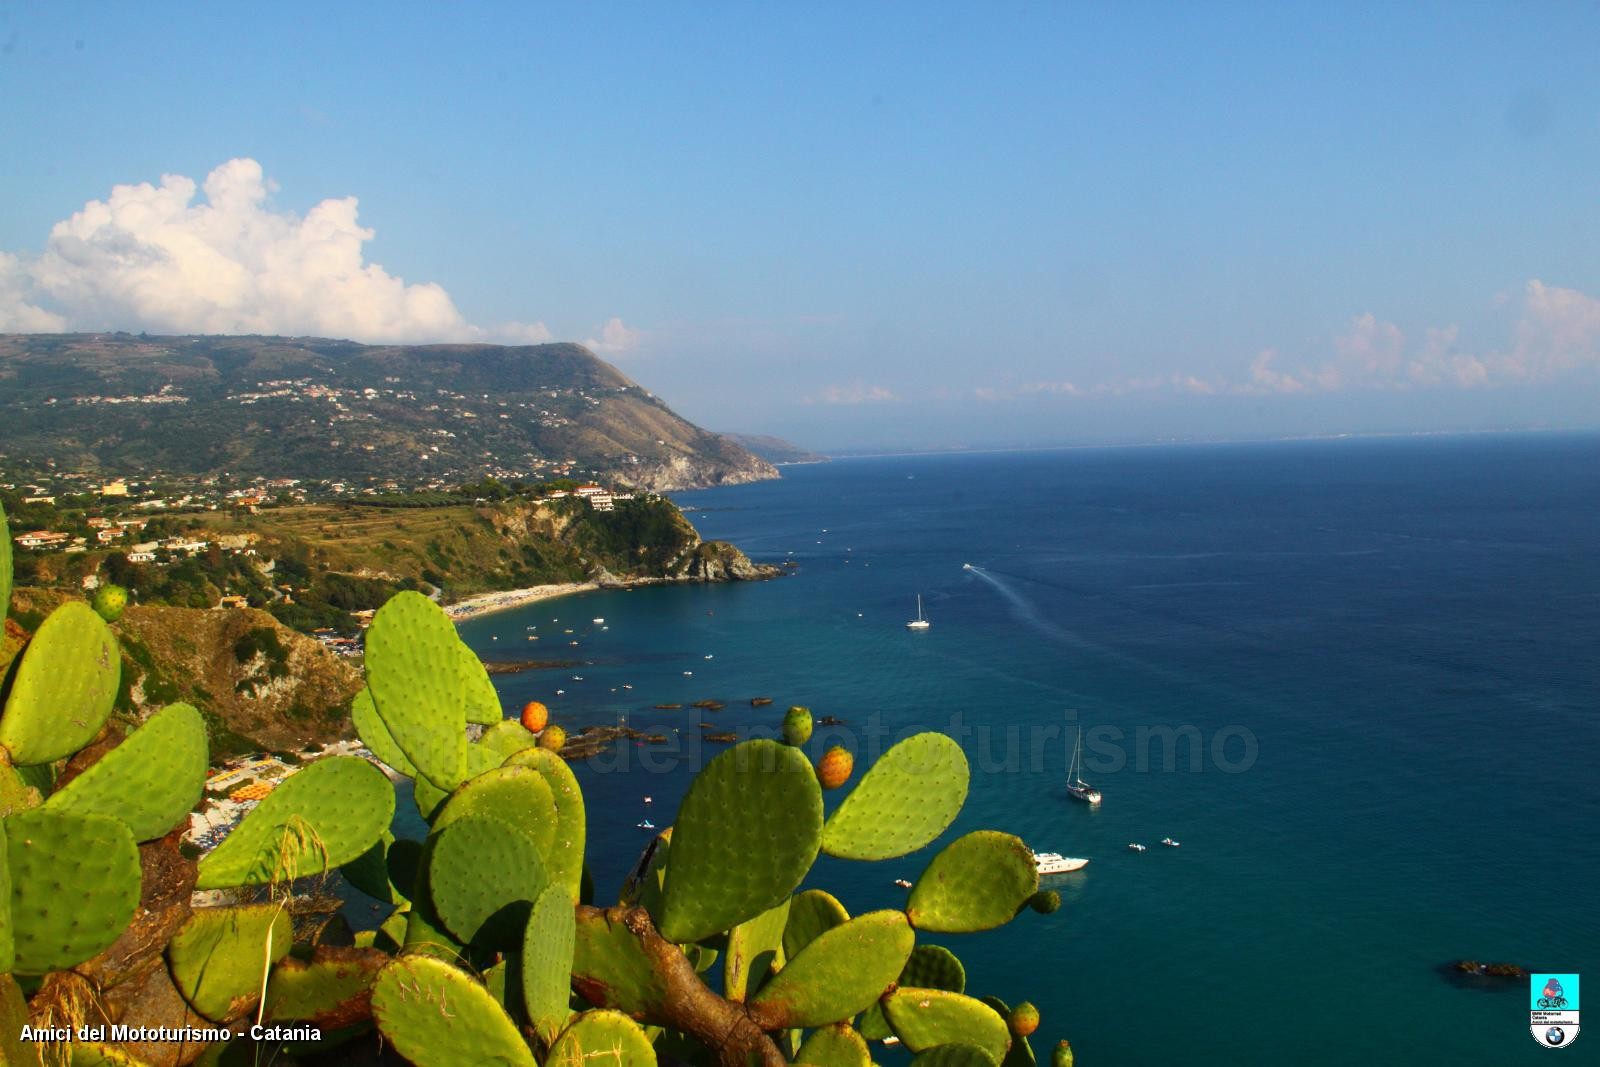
[{"x": 1388, "y": 650}]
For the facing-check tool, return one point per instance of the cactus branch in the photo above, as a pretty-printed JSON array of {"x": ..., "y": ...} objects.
[{"x": 691, "y": 1006}]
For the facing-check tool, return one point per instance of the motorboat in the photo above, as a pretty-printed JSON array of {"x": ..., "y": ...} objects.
[
  {"x": 918, "y": 623},
  {"x": 902, "y": 883},
  {"x": 598, "y": 622},
  {"x": 646, "y": 825},
  {"x": 1056, "y": 863},
  {"x": 1137, "y": 848},
  {"x": 1170, "y": 843},
  {"x": 966, "y": 566},
  {"x": 1077, "y": 788}
]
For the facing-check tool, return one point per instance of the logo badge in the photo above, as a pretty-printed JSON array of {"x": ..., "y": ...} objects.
[{"x": 1553, "y": 1009}]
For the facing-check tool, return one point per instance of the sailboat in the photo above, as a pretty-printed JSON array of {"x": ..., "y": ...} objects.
[
  {"x": 918, "y": 623},
  {"x": 1077, "y": 788}
]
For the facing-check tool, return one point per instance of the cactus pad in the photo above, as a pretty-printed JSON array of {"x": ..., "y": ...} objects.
[
  {"x": 414, "y": 672},
  {"x": 369, "y": 872},
  {"x": 64, "y": 687},
  {"x": 483, "y": 702},
  {"x": 150, "y": 781},
  {"x": 220, "y": 955},
  {"x": 483, "y": 877},
  {"x": 746, "y": 834},
  {"x": 810, "y": 914},
  {"x": 507, "y": 737},
  {"x": 611, "y": 970},
  {"x": 319, "y": 818},
  {"x": 332, "y": 989},
  {"x": 437, "y": 1016},
  {"x": 930, "y": 967},
  {"x": 517, "y": 796},
  {"x": 976, "y": 883},
  {"x": 924, "y": 1018},
  {"x": 74, "y": 886},
  {"x": 953, "y": 1056},
  {"x": 906, "y": 800},
  {"x": 755, "y": 947},
  {"x": 564, "y": 861},
  {"x": 8, "y": 948},
  {"x": 547, "y": 950},
  {"x": 834, "y": 1046},
  {"x": 842, "y": 972},
  {"x": 602, "y": 1037},
  {"x": 376, "y": 736}
]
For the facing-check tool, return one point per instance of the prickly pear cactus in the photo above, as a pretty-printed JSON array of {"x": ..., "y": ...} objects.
[
  {"x": 54, "y": 926},
  {"x": 64, "y": 687},
  {"x": 324, "y": 816},
  {"x": 439, "y": 1016},
  {"x": 151, "y": 781},
  {"x": 755, "y": 808},
  {"x": 492, "y": 953}
]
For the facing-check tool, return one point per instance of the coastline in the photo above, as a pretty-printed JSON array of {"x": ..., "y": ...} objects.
[{"x": 489, "y": 603}]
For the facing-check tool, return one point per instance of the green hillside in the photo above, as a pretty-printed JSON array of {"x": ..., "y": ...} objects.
[{"x": 315, "y": 408}]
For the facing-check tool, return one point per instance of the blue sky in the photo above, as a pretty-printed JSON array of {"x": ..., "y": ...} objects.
[{"x": 879, "y": 225}]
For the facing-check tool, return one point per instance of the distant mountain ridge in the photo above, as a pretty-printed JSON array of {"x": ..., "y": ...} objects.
[
  {"x": 776, "y": 449},
  {"x": 318, "y": 408}
]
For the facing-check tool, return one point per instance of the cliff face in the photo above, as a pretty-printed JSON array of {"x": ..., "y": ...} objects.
[
  {"x": 259, "y": 684},
  {"x": 691, "y": 472}
]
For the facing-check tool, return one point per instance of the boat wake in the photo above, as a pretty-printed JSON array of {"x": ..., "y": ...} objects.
[{"x": 1024, "y": 611}]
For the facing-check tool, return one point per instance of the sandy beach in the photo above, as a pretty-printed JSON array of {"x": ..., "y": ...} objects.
[{"x": 486, "y": 603}]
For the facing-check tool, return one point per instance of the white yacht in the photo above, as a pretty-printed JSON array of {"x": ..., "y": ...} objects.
[
  {"x": 1077, "y": 788},
  {"x": 1056, "y": 863},
  {"x": 918, "y": 623},
  {"x": 1137, "y": 848},
  {"x": 1170, "y": 843}
]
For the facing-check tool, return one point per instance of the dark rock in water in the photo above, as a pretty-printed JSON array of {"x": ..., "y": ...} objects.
[
  {"x": 499, "y": 666},
  {"x": 760, "y": 702},
  {"x": 1483, "y": 975}
]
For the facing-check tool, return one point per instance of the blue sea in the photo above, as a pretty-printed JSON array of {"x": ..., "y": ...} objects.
[{"x": 1356, "y": 679}]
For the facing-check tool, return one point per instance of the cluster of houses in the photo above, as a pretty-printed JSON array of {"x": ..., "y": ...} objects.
[{"x": 599, "y": 497}]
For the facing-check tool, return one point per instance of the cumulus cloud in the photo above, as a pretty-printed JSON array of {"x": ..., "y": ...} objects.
[
  {"x": 153, "y": 257},
  {"x": 856, "y": 392},
  {"x": 615, "y": 338}
]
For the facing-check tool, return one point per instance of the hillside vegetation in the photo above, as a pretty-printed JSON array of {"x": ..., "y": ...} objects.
[{"x": 317, "y": 408}]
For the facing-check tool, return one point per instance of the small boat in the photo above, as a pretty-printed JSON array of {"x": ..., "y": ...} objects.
[
  {"x": 902, "y": 883},
  {"x": 966, "y": 566},
  {"x": 647, "y": 800},
  {"x": 708, "y": 655},
  {"x": 687, "y": 674},
  {"x": 646, "y": 825},
  {"x": 1056, "y": 863},
  {"x": 1170, "y": 843},
  {"x": 559, "y": 692},
  {"x": 1137, "y": 848},
  {"x": 918, "y": 623},
  {"x": 598, "y": 622},
  {"x": 1077, "y": 788}
]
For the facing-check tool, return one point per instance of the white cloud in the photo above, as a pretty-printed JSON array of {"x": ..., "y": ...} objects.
[
  {"x": 856, "y": 392},
  {"x": 615, "y": 337},
  {"x": 151, "y": 257},
  {"x": 16, "y": 313}
]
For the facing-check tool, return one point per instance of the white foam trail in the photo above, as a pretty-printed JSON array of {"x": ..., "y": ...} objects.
[{"x": 1022, "y": 608}]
